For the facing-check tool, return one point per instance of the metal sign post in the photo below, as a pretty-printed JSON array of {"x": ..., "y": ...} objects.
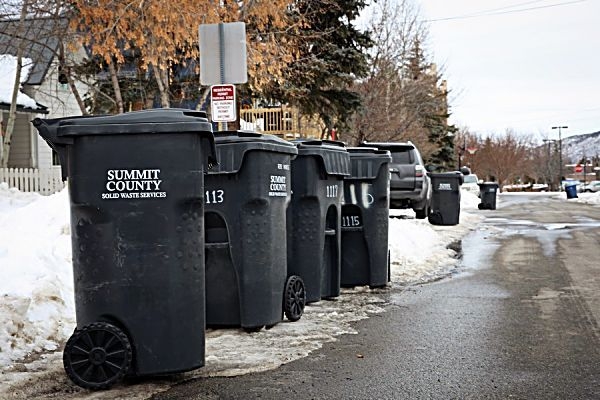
[{"x": 223, "y": 55}]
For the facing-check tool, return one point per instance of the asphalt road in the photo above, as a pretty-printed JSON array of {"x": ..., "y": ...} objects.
[{"x": 518, "y": 320}]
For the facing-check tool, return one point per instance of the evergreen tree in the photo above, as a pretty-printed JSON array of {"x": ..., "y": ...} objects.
[
  {"x": 330, "y": 56},
  {"x": 433, "y": 107}
]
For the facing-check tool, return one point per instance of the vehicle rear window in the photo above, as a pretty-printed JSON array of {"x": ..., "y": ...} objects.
[
  {"x": 470, "y": 179},
  {"x": 402, "y": 157}
]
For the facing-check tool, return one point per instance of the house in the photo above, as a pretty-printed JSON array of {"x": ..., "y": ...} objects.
[{"x": 31, "y": 159}]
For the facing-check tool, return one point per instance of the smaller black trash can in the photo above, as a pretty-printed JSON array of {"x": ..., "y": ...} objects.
[
  {"x": 314, "y": 215},
  {"x": 487, "y": 194},
  {"x": 445, "y": 198},
  {"x": 365, "y": 218},
  {"x": 246, "y": 199},
  {"x": 137, "y": 232}
]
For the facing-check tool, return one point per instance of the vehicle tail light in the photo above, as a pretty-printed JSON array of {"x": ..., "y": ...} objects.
[{"x": 419, "y": 171}]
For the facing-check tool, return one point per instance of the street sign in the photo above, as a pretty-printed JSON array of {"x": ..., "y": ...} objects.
[
  {"x": 578, "y": 168},
  {"x": 223, "y": 53},
  {"x": 222, "y": 99}
]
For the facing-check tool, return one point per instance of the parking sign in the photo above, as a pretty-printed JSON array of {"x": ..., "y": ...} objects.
[{"x": 223, "y": 103}]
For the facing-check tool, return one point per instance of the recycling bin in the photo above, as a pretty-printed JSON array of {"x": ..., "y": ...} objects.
[
  {"x": 246, "y": 198},
  {"x": 137, "y": 228},
  {"x": 314, "y": 216},
  {"x": 487, "y": 194},
  {"x": 365, "y": 219},
  {"x": 445, "y": 198},
  {"x": 571, "y": 191}
]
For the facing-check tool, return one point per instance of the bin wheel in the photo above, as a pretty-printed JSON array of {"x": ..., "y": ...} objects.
[
  {"x": 97, "y": 356},
  {"x": 294, "y": 298}
]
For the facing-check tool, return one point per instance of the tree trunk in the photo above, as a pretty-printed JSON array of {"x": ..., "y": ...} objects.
[
  {"x": 68, "y": 73},
  {"x": 115, "y": 82},
  {"x": 163, "y": 84},
  {"x": 12, "y": 113}
]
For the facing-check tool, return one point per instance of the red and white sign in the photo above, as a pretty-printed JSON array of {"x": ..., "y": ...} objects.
[
  {"x": 222, "y": 99},
  {"x": 578, "y": 168}
]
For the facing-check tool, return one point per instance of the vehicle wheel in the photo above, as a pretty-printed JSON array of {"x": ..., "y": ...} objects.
[
  {"x": 97, "y": 356},
  {"x": 422, "y": 213},
  {"x": 294, "y": 298}
]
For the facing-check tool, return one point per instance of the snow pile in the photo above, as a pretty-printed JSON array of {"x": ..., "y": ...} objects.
[
  {"x": 37, "y": 310},
  {"x": 420, "y": 251},
  {"x": 587, "y": 198}
]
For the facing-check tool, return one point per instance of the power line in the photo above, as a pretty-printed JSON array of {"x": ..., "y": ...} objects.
[{"x": 505, "y": 10}]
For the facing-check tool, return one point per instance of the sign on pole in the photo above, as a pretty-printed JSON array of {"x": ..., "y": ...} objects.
[
  {"x": 222, "y": 98},
  {"x": 223, "y": 53}
]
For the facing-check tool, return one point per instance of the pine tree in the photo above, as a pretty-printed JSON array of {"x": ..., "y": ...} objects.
[
  {"x": 330, "y": 56},
  {"x": 432, "y": 97}
]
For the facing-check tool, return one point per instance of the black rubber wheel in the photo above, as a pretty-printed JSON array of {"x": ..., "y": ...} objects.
[
  {"x": 294, "y": 298},
  {"x": 97, "y": 356}
]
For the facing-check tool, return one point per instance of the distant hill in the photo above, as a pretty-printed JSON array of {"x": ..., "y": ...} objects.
[{"x": 578, "y": 146}]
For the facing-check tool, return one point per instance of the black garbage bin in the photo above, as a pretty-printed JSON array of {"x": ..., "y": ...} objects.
[
  {"x": 313, "y": 216},
  {"x": 487, "y": 194},
  {"x": 445, "y": 198},
  {"x": 246, "y": 197},
  {"x": 365, "y": 219},
  {"x": 137, "y": 231}
]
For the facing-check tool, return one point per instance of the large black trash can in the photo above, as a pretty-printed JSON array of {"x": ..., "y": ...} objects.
[
  {"x": 247, "y": 195},
  {"x": 365, "y": 218},
  {"x": 313, "y": 216},
  {"x": 445, "y": 198},
  {"x": 136, "y": 193},
  {"x": 487, "y": 194}
]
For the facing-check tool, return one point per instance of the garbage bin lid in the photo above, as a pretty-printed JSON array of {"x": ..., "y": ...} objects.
[
  {"x": 160, "y": 120},
  {"x": 488, "y": 184},
  {"x": 451, "y": 175},
  {"x": 365, "y": 162},
  {"x": 232, "y": 147},
  {"x": 333, "y": 155}
]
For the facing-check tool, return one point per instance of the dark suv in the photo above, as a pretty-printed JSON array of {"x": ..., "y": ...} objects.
[{"x": 410, "y": 187}]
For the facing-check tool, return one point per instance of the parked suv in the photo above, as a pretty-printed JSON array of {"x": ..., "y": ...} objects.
[{"x": 410, "y": 187}]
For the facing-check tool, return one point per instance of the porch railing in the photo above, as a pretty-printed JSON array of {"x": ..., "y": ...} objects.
[{"x": 285, "y": 122}]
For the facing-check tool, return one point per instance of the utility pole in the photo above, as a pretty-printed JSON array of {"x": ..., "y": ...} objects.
[
  {"x": 560, "y": 167},
  {"x": 461, "y": 150}
]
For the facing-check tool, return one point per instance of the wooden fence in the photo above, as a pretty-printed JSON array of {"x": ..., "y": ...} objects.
[{"x": 42, "y": 181}]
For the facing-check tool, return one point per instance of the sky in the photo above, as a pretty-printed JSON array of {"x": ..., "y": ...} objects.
[{"x": 518, "y": 64}]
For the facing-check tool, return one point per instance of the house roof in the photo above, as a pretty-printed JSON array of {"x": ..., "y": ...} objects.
[{"x": 41, "y": 41}]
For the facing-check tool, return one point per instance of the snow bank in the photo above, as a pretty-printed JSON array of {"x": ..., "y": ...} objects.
[{"x": 37, "y": 310}]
